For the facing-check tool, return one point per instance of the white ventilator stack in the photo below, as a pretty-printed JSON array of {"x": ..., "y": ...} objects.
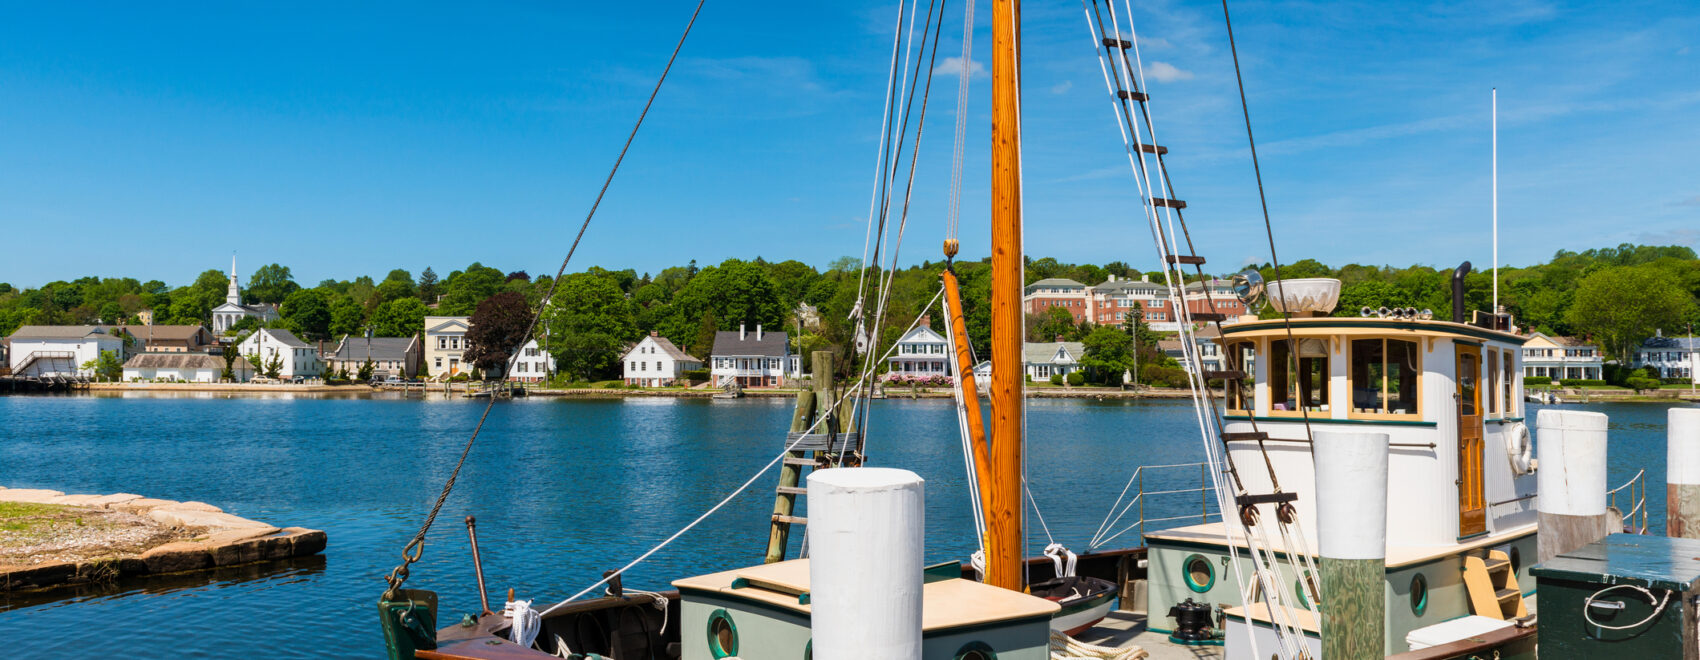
[
  {"x": 1682, "y": 473},
  {"x": 1351, "y": 513},
  {"x": 1571, "y": 448},
  {"x": 866, "y": 530}
]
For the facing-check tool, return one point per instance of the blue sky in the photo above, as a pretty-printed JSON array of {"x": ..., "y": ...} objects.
[{"x": 343, "y": 140}]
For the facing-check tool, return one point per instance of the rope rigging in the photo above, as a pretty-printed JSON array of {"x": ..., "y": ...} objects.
[{"x": 416, "y": 547}]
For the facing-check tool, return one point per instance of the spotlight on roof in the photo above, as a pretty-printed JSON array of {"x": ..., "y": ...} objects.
[
  {"x": 1366, "y": 311},
  {"x": 1248, "y": 287},
  {"x": 1384, "y": 312},
  {"x": 1410, "y": 313},
  {"x": 1426, "y": 314}
]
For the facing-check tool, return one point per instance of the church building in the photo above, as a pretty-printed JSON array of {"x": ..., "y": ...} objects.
[{"x": 233, "y": 311}]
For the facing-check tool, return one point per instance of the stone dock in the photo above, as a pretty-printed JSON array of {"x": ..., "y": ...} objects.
[{"x": 50, "y": 539}]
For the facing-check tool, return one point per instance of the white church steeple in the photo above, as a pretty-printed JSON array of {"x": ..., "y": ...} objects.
[{"x": 234, "y": 295}]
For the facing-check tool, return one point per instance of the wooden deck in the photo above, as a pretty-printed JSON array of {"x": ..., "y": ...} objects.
[{"x": 1122, "y": 629}]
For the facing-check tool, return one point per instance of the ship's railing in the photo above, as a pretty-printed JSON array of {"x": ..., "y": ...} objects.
[
  {"x": 1169, "y": 500},
  {"x": 1635, "y": 495}
]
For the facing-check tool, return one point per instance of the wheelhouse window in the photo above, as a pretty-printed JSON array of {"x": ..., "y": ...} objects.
[
  {"x": 1242, "y": 356},
  {"x": 1298, "y": 377},
  {"x": 1490, "y": 398},
  {"x": 1384, "y": 377},
  {"x": 1505, "y": 385}
]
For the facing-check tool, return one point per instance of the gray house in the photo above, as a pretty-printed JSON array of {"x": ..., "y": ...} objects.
[
  {"x": 391, "y": 356},
  {"x": 753, "y": 359}
]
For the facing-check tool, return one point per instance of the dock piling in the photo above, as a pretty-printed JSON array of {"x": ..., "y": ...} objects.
[
  {"x": 1682, "y": 473},
  {"x": 866, "y": 530},
  {"x": 1571, "y": 448},
  {"x": 1351, "y": 513}
]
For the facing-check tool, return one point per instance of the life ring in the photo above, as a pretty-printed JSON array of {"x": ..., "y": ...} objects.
[{"x": 1519, "y": 449}]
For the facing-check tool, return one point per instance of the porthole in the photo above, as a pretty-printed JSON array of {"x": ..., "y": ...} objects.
[
  {"x": 809, "y": 650},
  {"x": 1198, "y": 572},
  {"x": 1304, "y": 591},
  {"x": 1419, "y": 594},
  {"x": 976, "y": 651},
  {"x": 722, "y": 635}
]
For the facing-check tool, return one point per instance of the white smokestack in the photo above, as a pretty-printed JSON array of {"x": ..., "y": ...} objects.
[
  {"x": 758, "y": 332},
  {"x": 741, "y": 333}
]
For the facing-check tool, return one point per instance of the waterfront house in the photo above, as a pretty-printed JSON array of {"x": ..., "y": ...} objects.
[
  {"x": 1119, "y": 301},
  {"x": 1674, "y": 357},
  {"x": 445, "y": 344},
  {"x": 1209, "y": 348},
  {"x": 921, "y": 353},
  {"x": 181, "y": 367},
  {"x": 1559, "y": 358},
  {"x": 176, "y": 339},
  {"x": 1046, "y": 359},
  {"x": 1039, "y": 297},
  {"x": 753, "y": 359},
  {"x": 232, "y": 311},
  {"x": 656, "y": 362},
  {"x": 532, "y": 364},
  {"x": 62, "y": 350},
  {"x": 298, "y": 357},
  {"x": 390, "y": 356}
]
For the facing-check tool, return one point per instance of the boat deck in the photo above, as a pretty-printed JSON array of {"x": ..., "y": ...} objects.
[{"x": 1122, "y": 629}]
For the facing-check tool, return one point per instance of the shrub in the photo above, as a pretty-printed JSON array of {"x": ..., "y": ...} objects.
[
  {"x": 1537, "y": 380},
  {"x": 1056, "y": 379},
  {"x": 1639, "y": 383},
  {"x": 1166, "y": 376},
  {"x": 695, "y": 376},
  {"x": 1581, "y": 382},
  {"x": 1076, "y": 379},
  {"x": 930, "y": 380}
]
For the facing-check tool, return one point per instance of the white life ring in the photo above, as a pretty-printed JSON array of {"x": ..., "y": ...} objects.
[{"x": 1519, "y": 449}]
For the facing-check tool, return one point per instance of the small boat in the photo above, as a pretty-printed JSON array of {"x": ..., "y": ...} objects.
[{"x": 732, "y": 390}]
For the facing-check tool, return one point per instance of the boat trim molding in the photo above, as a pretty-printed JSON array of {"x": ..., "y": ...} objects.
[
  {"x": 1377, "y": 324},
  {"x": 1329, "y": 420}
]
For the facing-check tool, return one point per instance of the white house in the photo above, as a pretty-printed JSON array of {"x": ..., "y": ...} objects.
[
  {"x": 1674, "y": 357},
  {"x": 1562, "y": 357},
  {"x": 445, "y": 345},
  {"x": 1046, "y": 359},
  {"x": 753, "y": 359},
  {"x": 656, "y": 362},
  {"x": 531, "y": 366},
  {"x": 232, "y": 311},
  {"x": 61, "y": 350},
  {"x": 920, "y": 353},
  {"x": 184, "y": 368},
  {"x": 299, "y": 358}
]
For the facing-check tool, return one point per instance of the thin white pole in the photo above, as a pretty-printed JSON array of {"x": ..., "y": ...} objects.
[{"x": 1496, "y": 204}]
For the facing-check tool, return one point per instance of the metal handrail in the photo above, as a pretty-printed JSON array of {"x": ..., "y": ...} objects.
[
  {"x": 1637, "y": 495},
  {"x": 1626, "y": 484},
  {"x": 1138, "y": 500}
]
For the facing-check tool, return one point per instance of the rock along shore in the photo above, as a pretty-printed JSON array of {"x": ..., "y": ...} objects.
[{"x": 75, "y": 539}]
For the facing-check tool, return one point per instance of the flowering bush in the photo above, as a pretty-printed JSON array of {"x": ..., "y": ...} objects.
[{"x": 928, "y": 380}]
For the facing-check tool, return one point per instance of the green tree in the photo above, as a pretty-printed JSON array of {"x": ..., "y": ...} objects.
[
  {"x": 231, "y": 354},
  {"x": 365, "y": 372},
  {"x": 274, "y": 367},
  {"x": 428, "y": 285},
  {"x": 402, "y": 317},
  {"x": 307, "y": 313},
  {"x": 464, "y": 290},
  {"x": 1109, "y": 354},
  {"x": 589, "y": 321},
  {"x": 736, "y": 292},
  {"x": 1622, "y": 305},
  {"x": 1055, "y": 322},
  {"x": 106, "y": 367},
  {"x": 347, "y": 317},
  {"x": 272, "y": 283}
]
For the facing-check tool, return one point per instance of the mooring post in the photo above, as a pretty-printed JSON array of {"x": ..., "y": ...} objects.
[
  {"x": 802, "y": 417},
  {"x": 866, "y": 538},
  {"x": 1682, "y": 473},
  {"x": 1351, "y": 513},
  {"x": 1571, "y": 481}
]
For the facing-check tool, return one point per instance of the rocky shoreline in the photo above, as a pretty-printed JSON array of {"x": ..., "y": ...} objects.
[{"x": 50, "y": 539}]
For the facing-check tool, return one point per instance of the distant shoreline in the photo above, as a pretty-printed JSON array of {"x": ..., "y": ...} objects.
[{"x": 457, "y": 389}]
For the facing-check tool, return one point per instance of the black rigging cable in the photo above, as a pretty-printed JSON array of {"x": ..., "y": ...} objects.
[{"x": 415, "y": 548}]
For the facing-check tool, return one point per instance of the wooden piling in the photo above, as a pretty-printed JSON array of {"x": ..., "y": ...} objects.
[
  {"x": 807, "y": 410},
  {"x": 1682, "y": 473}
]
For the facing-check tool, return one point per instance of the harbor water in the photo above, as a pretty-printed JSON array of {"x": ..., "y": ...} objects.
[{"x": 562, "y": 489}]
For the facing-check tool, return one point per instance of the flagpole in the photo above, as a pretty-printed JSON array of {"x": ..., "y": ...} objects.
[{"x": 1496, "y": 205}]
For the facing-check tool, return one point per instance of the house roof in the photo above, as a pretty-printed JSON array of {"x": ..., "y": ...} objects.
[
  {"x": 1565, "y": 342},
  {"x": 772, "y": 344},
  {"x": 1132, "y": 286},
  {"x": 1046, "y": 352},
  {"x": 177, "y": 361},
  {"x": 1199, "y": 286},
  {"x": 59, "y": 331},
  {"x": 1055, "y": 281},
  {"x": 1672, "y": 342},
  {"x": 383, "y": 348},
  {"x": 169, "y": 332},
  {"x": 922, "y": 333},
  {"x": 666, "y": 347},
  {"x": 286, "y": 337},
  {"x": 438, "y": 323},
  {"x": 1174, "y": 346}
]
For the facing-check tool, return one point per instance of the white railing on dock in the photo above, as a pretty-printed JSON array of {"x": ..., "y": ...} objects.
[
  {"x": 1108, "y": 530},
  {"x": 1636, "y": 496}
]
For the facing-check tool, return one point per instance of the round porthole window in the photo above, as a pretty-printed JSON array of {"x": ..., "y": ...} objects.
[
  {"x": 1198, "y": 572},
  {"x": 1305, "y": 591},
  {"x": 976, "y": 651},
  {"x": 809, "y": 650},
  {"x": 1419, "y": 594},
  {"x": 722, "y": 635}
]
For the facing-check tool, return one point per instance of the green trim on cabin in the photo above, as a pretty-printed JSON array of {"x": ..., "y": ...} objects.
[
  {"x": 1209, "y": 571},
  {"x": 982, "y": 648},
  {"x": 1194, "y": 545},
  {"x": 1449, "y": 327},
  {"x": 714, "y": 647},
  {"x": 1505, "y": 420},
  {"x": 1317, "y": 420},
  {"x": 1471, "y": 342}
]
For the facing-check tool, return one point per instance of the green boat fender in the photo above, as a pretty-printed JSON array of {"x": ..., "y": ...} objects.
[{"x": 409, "y": 619}]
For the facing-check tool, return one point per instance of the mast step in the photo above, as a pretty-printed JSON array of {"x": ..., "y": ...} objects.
[
  {"x": 1230, "y": 374},
  {"x": 1170, "y": 203},
  {"x": 790, "y": 520},
  {"x": 1270, "y": 498},
  {"x": 1245, "y": 436},
  {"x": 793, "y": 490},
  {"x": 1153, "y": 149},
  {"x": 1112, "y": 42},
  {"x": 1191, "y": 259},
  {"x": 1132, "y": 96},
  {"x": 1208, "y": 317}
]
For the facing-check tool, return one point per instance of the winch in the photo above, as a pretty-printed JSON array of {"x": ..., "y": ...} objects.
[{"x": 1192, "y": 623}]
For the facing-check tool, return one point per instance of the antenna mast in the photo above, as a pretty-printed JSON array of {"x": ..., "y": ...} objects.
[{"x": 1496, "y": 206}]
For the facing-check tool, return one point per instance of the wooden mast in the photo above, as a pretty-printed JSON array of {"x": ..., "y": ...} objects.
[{"x": 1004, "y": 510}]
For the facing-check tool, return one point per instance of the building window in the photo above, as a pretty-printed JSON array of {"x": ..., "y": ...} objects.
[{"x": 1384, "y": 377}]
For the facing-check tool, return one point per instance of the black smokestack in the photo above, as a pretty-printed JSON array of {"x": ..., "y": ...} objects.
[{"x": 1458, "y": 291}]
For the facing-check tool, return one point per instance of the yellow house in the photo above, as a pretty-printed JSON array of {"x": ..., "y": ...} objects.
[{"x": 1562, "y": 357}]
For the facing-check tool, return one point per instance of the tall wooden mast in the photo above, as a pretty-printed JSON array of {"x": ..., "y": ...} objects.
[{"x": 1004, "y": 510}]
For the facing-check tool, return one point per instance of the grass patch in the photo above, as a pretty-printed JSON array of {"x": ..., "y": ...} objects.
[{"x": 26, "y": 516}]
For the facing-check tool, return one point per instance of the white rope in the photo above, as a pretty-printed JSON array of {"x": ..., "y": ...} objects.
[
  {"x": 526, "y": 622},
  {"x": 971, "y": 469},
  {"x": 745, "y": 486},
  {"x": 952, "y": 218},
  {"x": 891, "y": 85},
  {"x": 1588, "y": 607},
  {"x": 1063, "y": 647}
]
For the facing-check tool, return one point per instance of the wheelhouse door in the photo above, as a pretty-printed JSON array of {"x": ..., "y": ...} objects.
[{"x": 1472, "y": 504}]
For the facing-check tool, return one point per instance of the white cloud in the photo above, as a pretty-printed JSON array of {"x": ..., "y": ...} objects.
[
  {"x": 952, "y": 66},
  {"x": 1165, "y": 72},
  {"x": 1062, "y": 87},
  {"x": 1155, "y": 43}
]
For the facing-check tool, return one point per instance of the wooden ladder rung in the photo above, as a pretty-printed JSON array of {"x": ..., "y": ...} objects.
[
  {"x": 1497, "y": 565},
  {"x": 1504, "y": 595},
  {"x": 1153, "y": 149},
  {"x": 1132, "y": 96},
  {"x": 1245, "y": 436},
  {"x": 1229, "y": 374},
  {"x": 793, "y": 490},
  {"x": 1112, "y": 42},
  {"x": 1170, "y": 203},
  {"x": 790, "y": 520},
  {"x": 798, "y": 460},
  {"x": 1185, "y": 259},
  {"x": 1207, "y": 317}
]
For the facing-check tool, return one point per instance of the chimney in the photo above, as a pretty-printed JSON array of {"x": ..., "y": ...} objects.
[
  {"x": 655, "y": 333},
  {"x": 1059, "y": 339},
  {"x": 1112, "y": 278},
  {"x": 927, "y": 321},
  {"x": 741, "y": 334},
  {"x": 758, "y": 332},
  {"x": 1145, "y": 277}
]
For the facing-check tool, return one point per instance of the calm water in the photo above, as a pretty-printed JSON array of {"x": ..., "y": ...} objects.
[{"x": 563, "y": 490}]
